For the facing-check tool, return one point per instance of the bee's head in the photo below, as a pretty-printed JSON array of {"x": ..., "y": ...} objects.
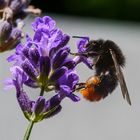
[{"x": 94, "y": 47}]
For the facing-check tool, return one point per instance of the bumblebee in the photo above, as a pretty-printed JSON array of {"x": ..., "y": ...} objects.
[{"x": 108, "y": 61}]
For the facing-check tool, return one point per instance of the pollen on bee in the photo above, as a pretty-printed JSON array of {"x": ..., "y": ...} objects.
[{"x": 89, "y": 92}]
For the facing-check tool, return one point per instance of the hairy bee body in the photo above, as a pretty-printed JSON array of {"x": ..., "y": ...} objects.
[
  {"x": 105, "y": 70},
  {"x": 105, "y": 62},
  {"x": 96, "y": 91}
]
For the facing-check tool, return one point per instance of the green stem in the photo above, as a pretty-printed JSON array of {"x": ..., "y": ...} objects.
[
  {"x": 28, "y": 131},
  {"x": 42, "y": 91},
  {"x": 30, "y": 126}
]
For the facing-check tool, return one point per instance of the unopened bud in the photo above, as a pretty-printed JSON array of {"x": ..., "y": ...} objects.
[
  {"x": 5, "y": 30},
  {"x": 16, "y": 6}
]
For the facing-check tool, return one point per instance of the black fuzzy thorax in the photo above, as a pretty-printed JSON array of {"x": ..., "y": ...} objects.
[{"x": 105, "y": 62}]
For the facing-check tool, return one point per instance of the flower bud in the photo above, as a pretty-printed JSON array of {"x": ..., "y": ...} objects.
[
  {"x": 60, "y": 57},
  {"x": 70, "y": 64},
  {"x": 57, "y": 74},
  {"x": 25, "y": 52},
  {"x": 34, "y": 55},
  {"x": 16, "y": 34},
  {"x": 16, "y": 6},
  {"x": 29, "y": 69},
  {"x": 5, "y": 30},
  {"x": 39, "y": 106}
]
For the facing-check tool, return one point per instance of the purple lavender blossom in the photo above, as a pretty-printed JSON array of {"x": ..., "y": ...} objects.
[
  {"x": 33, "y": 110},
  {"x": 45, "y": 23},
  {"x": 43, "y": 58},
  {"x": 81, "y": 49},
  {"x": 43, "y": 62},
  {"x": 67, "y": 83},
  {"x": 42, "y": 108}
]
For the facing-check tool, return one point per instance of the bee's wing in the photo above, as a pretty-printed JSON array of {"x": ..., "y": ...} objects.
[{"x": 121, "y": 78}]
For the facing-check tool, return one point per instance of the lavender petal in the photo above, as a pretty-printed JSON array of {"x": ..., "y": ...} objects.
[{"x": 57, "y": 74}]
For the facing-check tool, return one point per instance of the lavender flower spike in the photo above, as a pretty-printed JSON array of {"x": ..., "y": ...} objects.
[
  {"x": 42, "y": 58},
  {"x": 43, "y": 62},
  {"x": 33, "y": 110}
]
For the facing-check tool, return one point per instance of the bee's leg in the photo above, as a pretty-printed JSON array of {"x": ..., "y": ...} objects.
[
  {"x": 96, "y": 61},
  {"x": 80, "y": 54},
  {"x": 80, "y": 86},
  {"x": 75, "y": 54},
  {"x": 86, "y": 54}
]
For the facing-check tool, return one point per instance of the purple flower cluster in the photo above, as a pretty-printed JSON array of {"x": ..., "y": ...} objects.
[
  {"x": 11, "y": 24},
  {"x": 33, "y": 110},
  {"x": 43, "y": 62},
  {"x": 9, "y": 35}
]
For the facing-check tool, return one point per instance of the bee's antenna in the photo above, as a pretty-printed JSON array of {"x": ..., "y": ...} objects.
[
  {"x": 87, "y": 38},
  {"x": 79, "y": 86}
]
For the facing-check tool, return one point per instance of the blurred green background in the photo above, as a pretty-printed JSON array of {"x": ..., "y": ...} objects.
[{"x": 107, "y": 9}]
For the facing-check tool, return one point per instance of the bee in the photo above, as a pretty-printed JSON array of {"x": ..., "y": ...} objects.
[{"x": 108, "y": 61}]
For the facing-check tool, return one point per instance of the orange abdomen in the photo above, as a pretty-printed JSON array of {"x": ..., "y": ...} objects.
[{"x": 89, "y": 92}]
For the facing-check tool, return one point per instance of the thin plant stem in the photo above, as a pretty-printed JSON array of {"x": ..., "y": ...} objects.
[
  {"x": 28, "y": 131},
  {"x": 42, "y": 91}
]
